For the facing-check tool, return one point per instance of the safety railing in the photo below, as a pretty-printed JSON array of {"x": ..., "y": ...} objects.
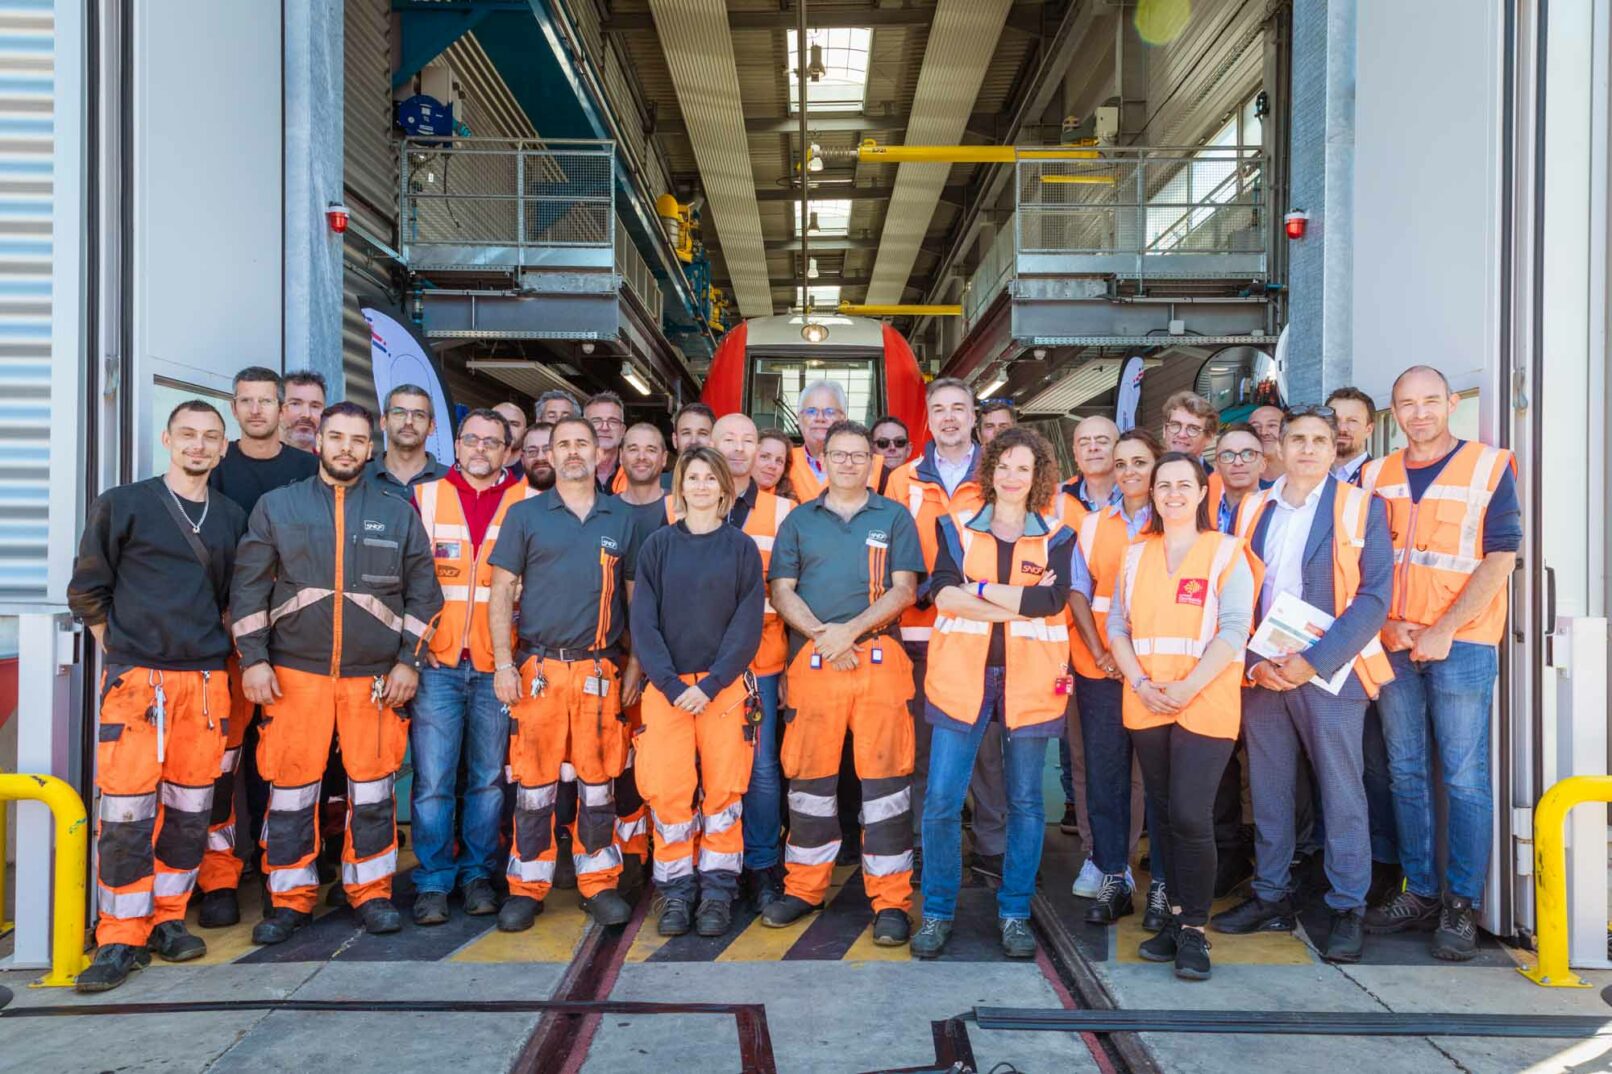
[
  {"x": 1143, "y": 211},
  {"x": 67, "y": 957},
  {"x": 995, "y": 269},
  {"x": 506, "y": 204},
  {"x": 1550, "y": 877},
  {"x": 635, "y": 274}
]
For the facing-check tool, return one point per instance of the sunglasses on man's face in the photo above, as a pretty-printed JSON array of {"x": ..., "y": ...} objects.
[{"x": 885, "y": 444}]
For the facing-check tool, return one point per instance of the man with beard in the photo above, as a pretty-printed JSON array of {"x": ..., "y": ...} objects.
[
  {"x": 299, "y": 414},
  {"x": 535, "y": 456},
  {"x": 410, "y": 420},
  {"x": 333, "y": 598},
  {"x": 571, "y": 553},
  {"x": 643, "y": 460},
  {"x": 151, "y": 583},
  {"x": 256, "y": 463},
  {"x": 608, "y": 416},
  {"x": 516, "y": 417},
  {"x": 455, "y": 712}
]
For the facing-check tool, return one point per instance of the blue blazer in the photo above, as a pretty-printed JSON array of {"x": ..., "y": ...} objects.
[{"x": 1364, "y": 618}]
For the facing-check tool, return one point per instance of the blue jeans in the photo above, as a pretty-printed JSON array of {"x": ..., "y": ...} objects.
[
  {"x": 456, "y": 714},
  {"x": 951, "y": 764},
  {"x": 1108, "y": 770},
  {"x": 763, "y": 802},
  {"x": 1442, "y": 704},
  {"x": 1066, "y": 773}
]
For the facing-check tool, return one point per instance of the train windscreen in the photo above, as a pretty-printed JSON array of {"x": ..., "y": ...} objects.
[{"x": 776, "y": 384}]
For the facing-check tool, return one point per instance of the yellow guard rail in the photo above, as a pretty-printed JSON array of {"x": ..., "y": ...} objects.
[
  {"x": 67, "y": 957},
  {"x": 1550, "y": 877}
]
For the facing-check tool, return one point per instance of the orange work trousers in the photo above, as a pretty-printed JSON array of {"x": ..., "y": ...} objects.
[
  {"x": 154, "y": 810},
  {"x": 685, "y": 758},
  {"x": 565, "y": 723},
  {"x": 293, "y": 748},
  {"x": 632, "y": 812},
  {"x": 871, "y": 702},
  {"x": 221, "y": 866}
]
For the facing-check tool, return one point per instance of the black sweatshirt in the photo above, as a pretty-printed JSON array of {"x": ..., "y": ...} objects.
[
  {"x": 1037, "y": 602},
  {"x": 136, "y": 572},
  {"x": 697, "y": 607},
  {"x": 245, "y": 479}
]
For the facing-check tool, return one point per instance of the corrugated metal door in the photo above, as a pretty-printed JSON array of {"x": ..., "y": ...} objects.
[
  {"x": 27, "y": 99},
  {"x": 369, "y": 179}
]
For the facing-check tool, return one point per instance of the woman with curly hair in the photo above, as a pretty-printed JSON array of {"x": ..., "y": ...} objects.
[
  {"x": 999, "y": 652},
  {"x": 773, "y": 447}
]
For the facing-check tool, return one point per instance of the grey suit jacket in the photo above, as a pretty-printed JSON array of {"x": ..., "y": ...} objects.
[{"x": 1364, "y": 617}]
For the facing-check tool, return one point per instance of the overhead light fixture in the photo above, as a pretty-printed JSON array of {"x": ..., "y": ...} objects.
[
  {"x": 814, "y": 158},
  {"x": 812, "y": 332},
  {"x": 811, "y": 268},
  {"x": 815, "y": 69},
  {"x": 992, "y": 388},
  {"x": 811, "y": 222},
  {"x": 630, "y": 374},
  {"x": 587, "y": 348}
]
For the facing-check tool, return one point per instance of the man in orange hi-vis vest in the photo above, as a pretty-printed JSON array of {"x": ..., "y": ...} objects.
[
  {"x": 455, "y": 713},
  {"x": 1326, "y": 543},
  {"x": 1452, "y": 507}
]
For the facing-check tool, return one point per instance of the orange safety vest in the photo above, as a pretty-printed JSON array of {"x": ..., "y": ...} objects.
[
  {"x": 1173, "y": 620},
  {"x": 1351, "y": 512},
  {"x": 805, "y": 482},
  {"x": 1067, "y": 506},
  {"x": 465, "y": 576},
  {"x": 762, "y": 524},
  {"x": 1438, "y": 541},
  {"x": 1036, "y": 650},
  {"x": 1103, "y": 537},
  {"x": 928, "y": 502}
]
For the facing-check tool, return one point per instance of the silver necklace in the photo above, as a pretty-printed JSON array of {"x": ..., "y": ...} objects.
[{"x": 207, "y": 502}]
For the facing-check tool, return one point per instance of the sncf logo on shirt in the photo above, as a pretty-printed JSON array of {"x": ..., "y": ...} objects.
[
  {"x": 878, "y": 538},
  {"x": 608, "y": 544},
  {"x": 1191, "y": 591},
  {"x": 371, "y": 526}
]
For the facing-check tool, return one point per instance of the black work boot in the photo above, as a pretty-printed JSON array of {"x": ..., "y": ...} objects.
[
  {"x": 518, "y": 913},
  {"x": 219, "y": 909},
  {"x": 1456, "y": 939},
  {"x": 676, "y": 917},
  {"x": 1161, "y": 948},
  {"x": 380, "y": 916},
  {"x": 1192, "y": 955},
  {"x": 608, "y": 907},
  {"x": 278, "y": 926},
  {"x": 112, "y": 966},
  {"x": 1347, "y": 938},
  {"x": 1113, "y": 901},
  {"x": 1254, "y": 914},
  {"x": 480, "y": 898},
  {"x": 786, "y": 910},
  {"x": 714, "y": 918},
  {"x": 891, "y": 928},
  {"x": 172, "y": 942},
  {"x": 1406, "y": 910},
  {"x": 431, "y": 908}
]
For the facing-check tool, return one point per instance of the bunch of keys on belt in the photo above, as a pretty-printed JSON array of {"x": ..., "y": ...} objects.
[
  {"x": 377, "y": 690},
  {"x": 752, "y": 706},
  {"x": 157, "y": 714},
  {"x": 539, "y": 683}
]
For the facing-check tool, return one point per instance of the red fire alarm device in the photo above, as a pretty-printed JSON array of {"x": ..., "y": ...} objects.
[
  {"x": 1296, "y": 222},
  {"x": 337, "y": 216}
]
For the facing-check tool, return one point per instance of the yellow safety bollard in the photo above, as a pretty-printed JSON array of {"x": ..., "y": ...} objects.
[
  {"x": 1550, "y": 877},
  {"x": 6, "y": 924},
  {"x": 67, "y": 958}
]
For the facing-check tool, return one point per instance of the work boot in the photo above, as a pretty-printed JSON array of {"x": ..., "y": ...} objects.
[
  {"x": 891, "y": 927},
  {"x": 1089, "y": 882},
  {"x": 1157, "y": 914},
  {"x": 1387, "y": 880},
  {"x": 279, "y": 925},
  {"x": 518, "y": 913},
  {"x": 608, "y": 907},
  {"x": 1070, "y": 824},
  {"x": 380, "y": 916},
  {"x": 1254, "y": 914},
  {"x": 931, "y": 937},
  {"x": 112, "y": 966},
  {"x": 480, "y": 898},
  {"x": 1161, "y": 948},
  {"x": 765, "y": 886},
  {"x": 1456, "y": 939},
  {"x": 565, "y": 867},
  {"x": 675, "y": 917},
  {"x": 1113, "y": 901},
  {"x": 219, "y": 909},
  {"x": 714, "y": 918},
  {"x": 786, "y": 910},
  {"x": 1406, "y": 910},
  {"x": 1192, "y": 955},
  {"x": 431, "y": 908},
  {"x": 172, "y": 942},
  {"x": 1017, "y": 940},
  {"x": 988, "y": 866},
  {"x": 1347, "y": 938}
]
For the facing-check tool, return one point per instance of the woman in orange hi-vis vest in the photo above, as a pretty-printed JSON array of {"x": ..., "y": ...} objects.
[{"x": 1177, "y": 630}]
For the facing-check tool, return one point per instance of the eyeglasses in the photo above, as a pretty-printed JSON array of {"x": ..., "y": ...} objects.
[
  {"x": 1176, "y": 428},
  {"x": 1226, "y": 458},
  {"x": 829, "y": 412},
  {"x": 885, "y": 444},
  {"x": 605, "y": 422},
  {"x": 405, "y": 414},
  {"x": 857, "y": 457},
  {"x": 1311, "y": 410},
  {"x": 486, "y": 443},
  {"x": 535, "y": 452}
]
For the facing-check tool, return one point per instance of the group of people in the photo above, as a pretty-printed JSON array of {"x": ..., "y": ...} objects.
[{"x": 604, "y": 666}]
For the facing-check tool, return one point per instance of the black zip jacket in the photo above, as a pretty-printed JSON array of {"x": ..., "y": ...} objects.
[{"x": 334, "y": 581}]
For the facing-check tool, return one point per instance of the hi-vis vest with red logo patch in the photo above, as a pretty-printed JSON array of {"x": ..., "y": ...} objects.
[
  {"x": 1438, "y": 541},
  {"x": 1173, "y": 619},
  {"x": 1036, "y": 650},
  {"x": 466, "y": 578},
  {"x": 1351, "y": 512}
]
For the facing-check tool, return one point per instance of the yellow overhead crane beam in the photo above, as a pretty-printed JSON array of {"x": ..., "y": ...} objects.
[
  {"x": 871, "y": 152},
  {"x": 851, "y": 309}
]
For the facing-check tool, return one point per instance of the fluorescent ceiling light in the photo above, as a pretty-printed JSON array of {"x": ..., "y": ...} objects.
[
  {"x": 844, "y": 84},
  {"x": 629, "y": 373},
  {"x": 992, "y": 388}
]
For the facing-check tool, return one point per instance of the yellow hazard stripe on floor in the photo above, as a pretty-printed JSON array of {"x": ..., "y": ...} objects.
[
  {"x": 554, "y": 937},
  {"x": 865, "y": 950},
  {"x": 758, "y": 943}
]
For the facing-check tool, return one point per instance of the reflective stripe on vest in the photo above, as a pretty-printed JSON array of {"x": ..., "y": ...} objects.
[
  {"x": 462, "y": 572},
  {"x": 928, "y": 502},
  {"x": 761, "y": 525},
  {"x": 1104, "y": 536}
]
